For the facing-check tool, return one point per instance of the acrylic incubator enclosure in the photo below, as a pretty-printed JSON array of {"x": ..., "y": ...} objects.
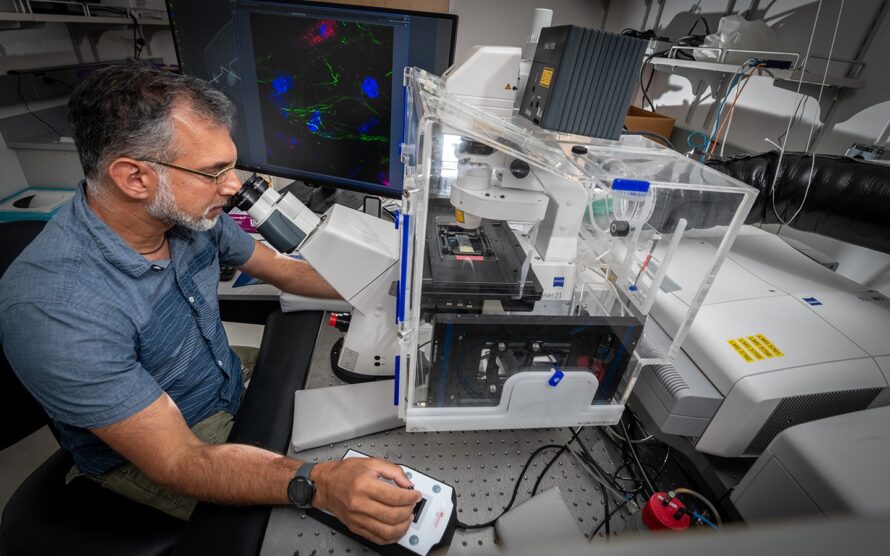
[{"x": 530, "y": 261}]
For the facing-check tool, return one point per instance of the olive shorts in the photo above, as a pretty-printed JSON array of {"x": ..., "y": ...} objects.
[{"x": 128, "y": 481}]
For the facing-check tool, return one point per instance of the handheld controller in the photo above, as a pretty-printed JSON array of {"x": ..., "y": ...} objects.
[{"x": 434, "y": 516}]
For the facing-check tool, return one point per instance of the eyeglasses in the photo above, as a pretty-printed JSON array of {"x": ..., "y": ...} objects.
[{"x": 216, "y": 178}]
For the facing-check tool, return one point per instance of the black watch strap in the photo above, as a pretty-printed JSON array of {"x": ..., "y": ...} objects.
[{"x": 305, "y": 470}]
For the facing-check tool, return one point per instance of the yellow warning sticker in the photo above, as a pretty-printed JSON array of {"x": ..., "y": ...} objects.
[
  {"x": 775, "y": 351},
  {"x": 755, "y": 348},
  {"x": 741, "y": 351},
  {"x": 761, "y": 347},
  {"x": 546, "y": 77},
  {"x": 459, "y": 215},
  {"x": 747, "y": 345}
]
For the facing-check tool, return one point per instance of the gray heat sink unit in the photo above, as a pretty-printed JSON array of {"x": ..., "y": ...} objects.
[{"x": 581, "y": 81}]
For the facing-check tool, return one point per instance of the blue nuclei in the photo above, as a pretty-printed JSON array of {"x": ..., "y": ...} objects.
[
  {"x": 370, "y": 87},
  {"x": 282, "y": 84},
  {"x": 314, "y": 123},
  {"x": 368, "y": 125}
]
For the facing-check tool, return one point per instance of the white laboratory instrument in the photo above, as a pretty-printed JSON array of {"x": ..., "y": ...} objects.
[
  {"x": 524, "y": 296},
  {"x": 514, "y": 287},
  {"x": 828, "y": 467},
  {"x": 541, "y": 17},
  {"x": 780, "y": 340}
]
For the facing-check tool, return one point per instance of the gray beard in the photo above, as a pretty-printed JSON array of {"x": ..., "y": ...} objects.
[{"x": 163, "y": 207}]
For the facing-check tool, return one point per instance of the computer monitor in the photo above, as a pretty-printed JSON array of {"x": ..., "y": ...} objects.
[{"x": 318, "y": 87}]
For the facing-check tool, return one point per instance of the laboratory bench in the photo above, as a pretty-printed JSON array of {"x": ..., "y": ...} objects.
[{"x": 482, "y": 466}]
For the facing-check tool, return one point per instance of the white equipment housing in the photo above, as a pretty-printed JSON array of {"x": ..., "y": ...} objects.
[
  {"x": 561, "y": 195},
  {"x": 780, "y": 340},
  {"x": 487, "y": 77},
  {"x": 822, "y": 468},
  {"x": 357, "y": 254}
]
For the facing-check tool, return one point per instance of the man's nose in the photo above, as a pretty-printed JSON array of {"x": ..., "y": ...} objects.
[{"x": 230, "y": 185}]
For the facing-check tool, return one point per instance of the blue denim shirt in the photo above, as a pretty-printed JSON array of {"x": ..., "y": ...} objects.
[{"x": 96, "y": 332}]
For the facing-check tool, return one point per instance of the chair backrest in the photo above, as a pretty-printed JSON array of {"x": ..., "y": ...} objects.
[{"x": 20, "y": 414}]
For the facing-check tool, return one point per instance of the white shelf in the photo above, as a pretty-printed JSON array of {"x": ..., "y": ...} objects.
[
  {"x": 679, "y": 66},
  {"x": 95, "y": 20}
]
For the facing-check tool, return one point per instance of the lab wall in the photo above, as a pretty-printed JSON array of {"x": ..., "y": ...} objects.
[
  {"x": 12, "y": 178},
  {"x": 56, "y": 44},
  {"x": 763, "y": 110},
  {"x": 507, "y": 22},
  {"x": 843, "y": 116}
]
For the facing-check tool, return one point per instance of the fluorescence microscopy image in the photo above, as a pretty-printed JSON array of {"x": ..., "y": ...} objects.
[{"x": 325, "y": 90}]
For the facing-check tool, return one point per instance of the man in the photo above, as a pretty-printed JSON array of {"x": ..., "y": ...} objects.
[{"x": 110, "y": 317}]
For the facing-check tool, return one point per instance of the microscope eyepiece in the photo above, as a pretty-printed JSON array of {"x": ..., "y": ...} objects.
[{"x": 249, "y": 194}]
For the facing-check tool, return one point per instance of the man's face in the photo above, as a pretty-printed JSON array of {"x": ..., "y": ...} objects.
[{"x": 188, "y": 199}]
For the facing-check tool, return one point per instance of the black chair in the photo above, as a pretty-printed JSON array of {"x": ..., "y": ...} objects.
[{"x": 45, "y": 516}]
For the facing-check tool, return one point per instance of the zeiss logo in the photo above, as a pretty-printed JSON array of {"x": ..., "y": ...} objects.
[{"x": 559, "y": 281}]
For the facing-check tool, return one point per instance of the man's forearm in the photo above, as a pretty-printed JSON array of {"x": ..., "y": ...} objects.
[
  {"x": 302, "y": 279},
  {"x": 231, "y": 474},
  {"x": 287, "y": 274}
]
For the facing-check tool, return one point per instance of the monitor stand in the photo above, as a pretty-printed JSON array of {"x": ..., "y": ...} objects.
[
  {"x": 319, "y": 198},
  {"x": 322, "y": 198}
]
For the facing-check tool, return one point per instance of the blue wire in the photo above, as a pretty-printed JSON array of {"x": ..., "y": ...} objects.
[
  {"x": 732, "y": 85},
  {"x": 701, "y": 134},
  {"x": 704, "y": 520}
]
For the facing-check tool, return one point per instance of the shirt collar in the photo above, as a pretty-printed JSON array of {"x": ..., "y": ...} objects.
[{"x": 110, "y": 244}]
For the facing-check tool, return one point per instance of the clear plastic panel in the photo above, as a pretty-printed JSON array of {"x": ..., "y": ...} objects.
[{"x": 554, "y": 346}]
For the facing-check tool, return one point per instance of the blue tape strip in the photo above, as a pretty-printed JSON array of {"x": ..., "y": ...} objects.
[
  {"x": 403, "y": 274},
  {"x": 395, "y": 394},
  {"x": 636, "y": 186}
]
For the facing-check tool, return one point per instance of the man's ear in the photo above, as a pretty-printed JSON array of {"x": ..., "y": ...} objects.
[{"x": 133, "y": 178}]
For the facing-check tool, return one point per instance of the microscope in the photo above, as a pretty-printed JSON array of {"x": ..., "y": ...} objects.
[{"x": 356, "y": 253}]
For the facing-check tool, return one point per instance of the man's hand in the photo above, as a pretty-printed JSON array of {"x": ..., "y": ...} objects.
[{"x": 353, "y": 491}]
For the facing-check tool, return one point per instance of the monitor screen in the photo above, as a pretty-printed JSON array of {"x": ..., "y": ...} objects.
[{"x": 318, "y": 87}]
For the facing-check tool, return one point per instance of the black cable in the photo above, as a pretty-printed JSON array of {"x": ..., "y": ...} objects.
[
  {"x": 636, "y": 457},
  {"x": 138, "y": 37},
  {"x": 694, "y": 25},
  {"x": 652, "y": 134},
  {"x": 547, "y": 467},
  {"x": 28, "y": 108},
  {"x": 562, "y": 450},
  {"x": 515, "y": 490},
  {"x": 609, "y": 517},
  {"x": 645, "y": 88},
  {"x": 588, "y": 457},
  {"x": 50, "y": 80},
  {"x": 637, "y": 482}
]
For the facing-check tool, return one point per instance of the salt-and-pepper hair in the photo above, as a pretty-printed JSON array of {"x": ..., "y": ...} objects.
[{"x": 125, "y": 110}]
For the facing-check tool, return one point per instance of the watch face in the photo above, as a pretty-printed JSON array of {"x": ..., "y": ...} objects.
[
  {"x": 304, "y": 492},
  {"x": 300, "y": 491}
]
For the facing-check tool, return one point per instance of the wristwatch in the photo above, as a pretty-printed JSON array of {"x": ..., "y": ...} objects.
[{"x": 301, "y": 489}]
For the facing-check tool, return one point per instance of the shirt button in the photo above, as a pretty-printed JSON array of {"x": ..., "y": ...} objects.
[
  {"x": 218, "y": 362},
  {"x": 191, "y": 300},
  {"x": 156, "y": 267}
]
